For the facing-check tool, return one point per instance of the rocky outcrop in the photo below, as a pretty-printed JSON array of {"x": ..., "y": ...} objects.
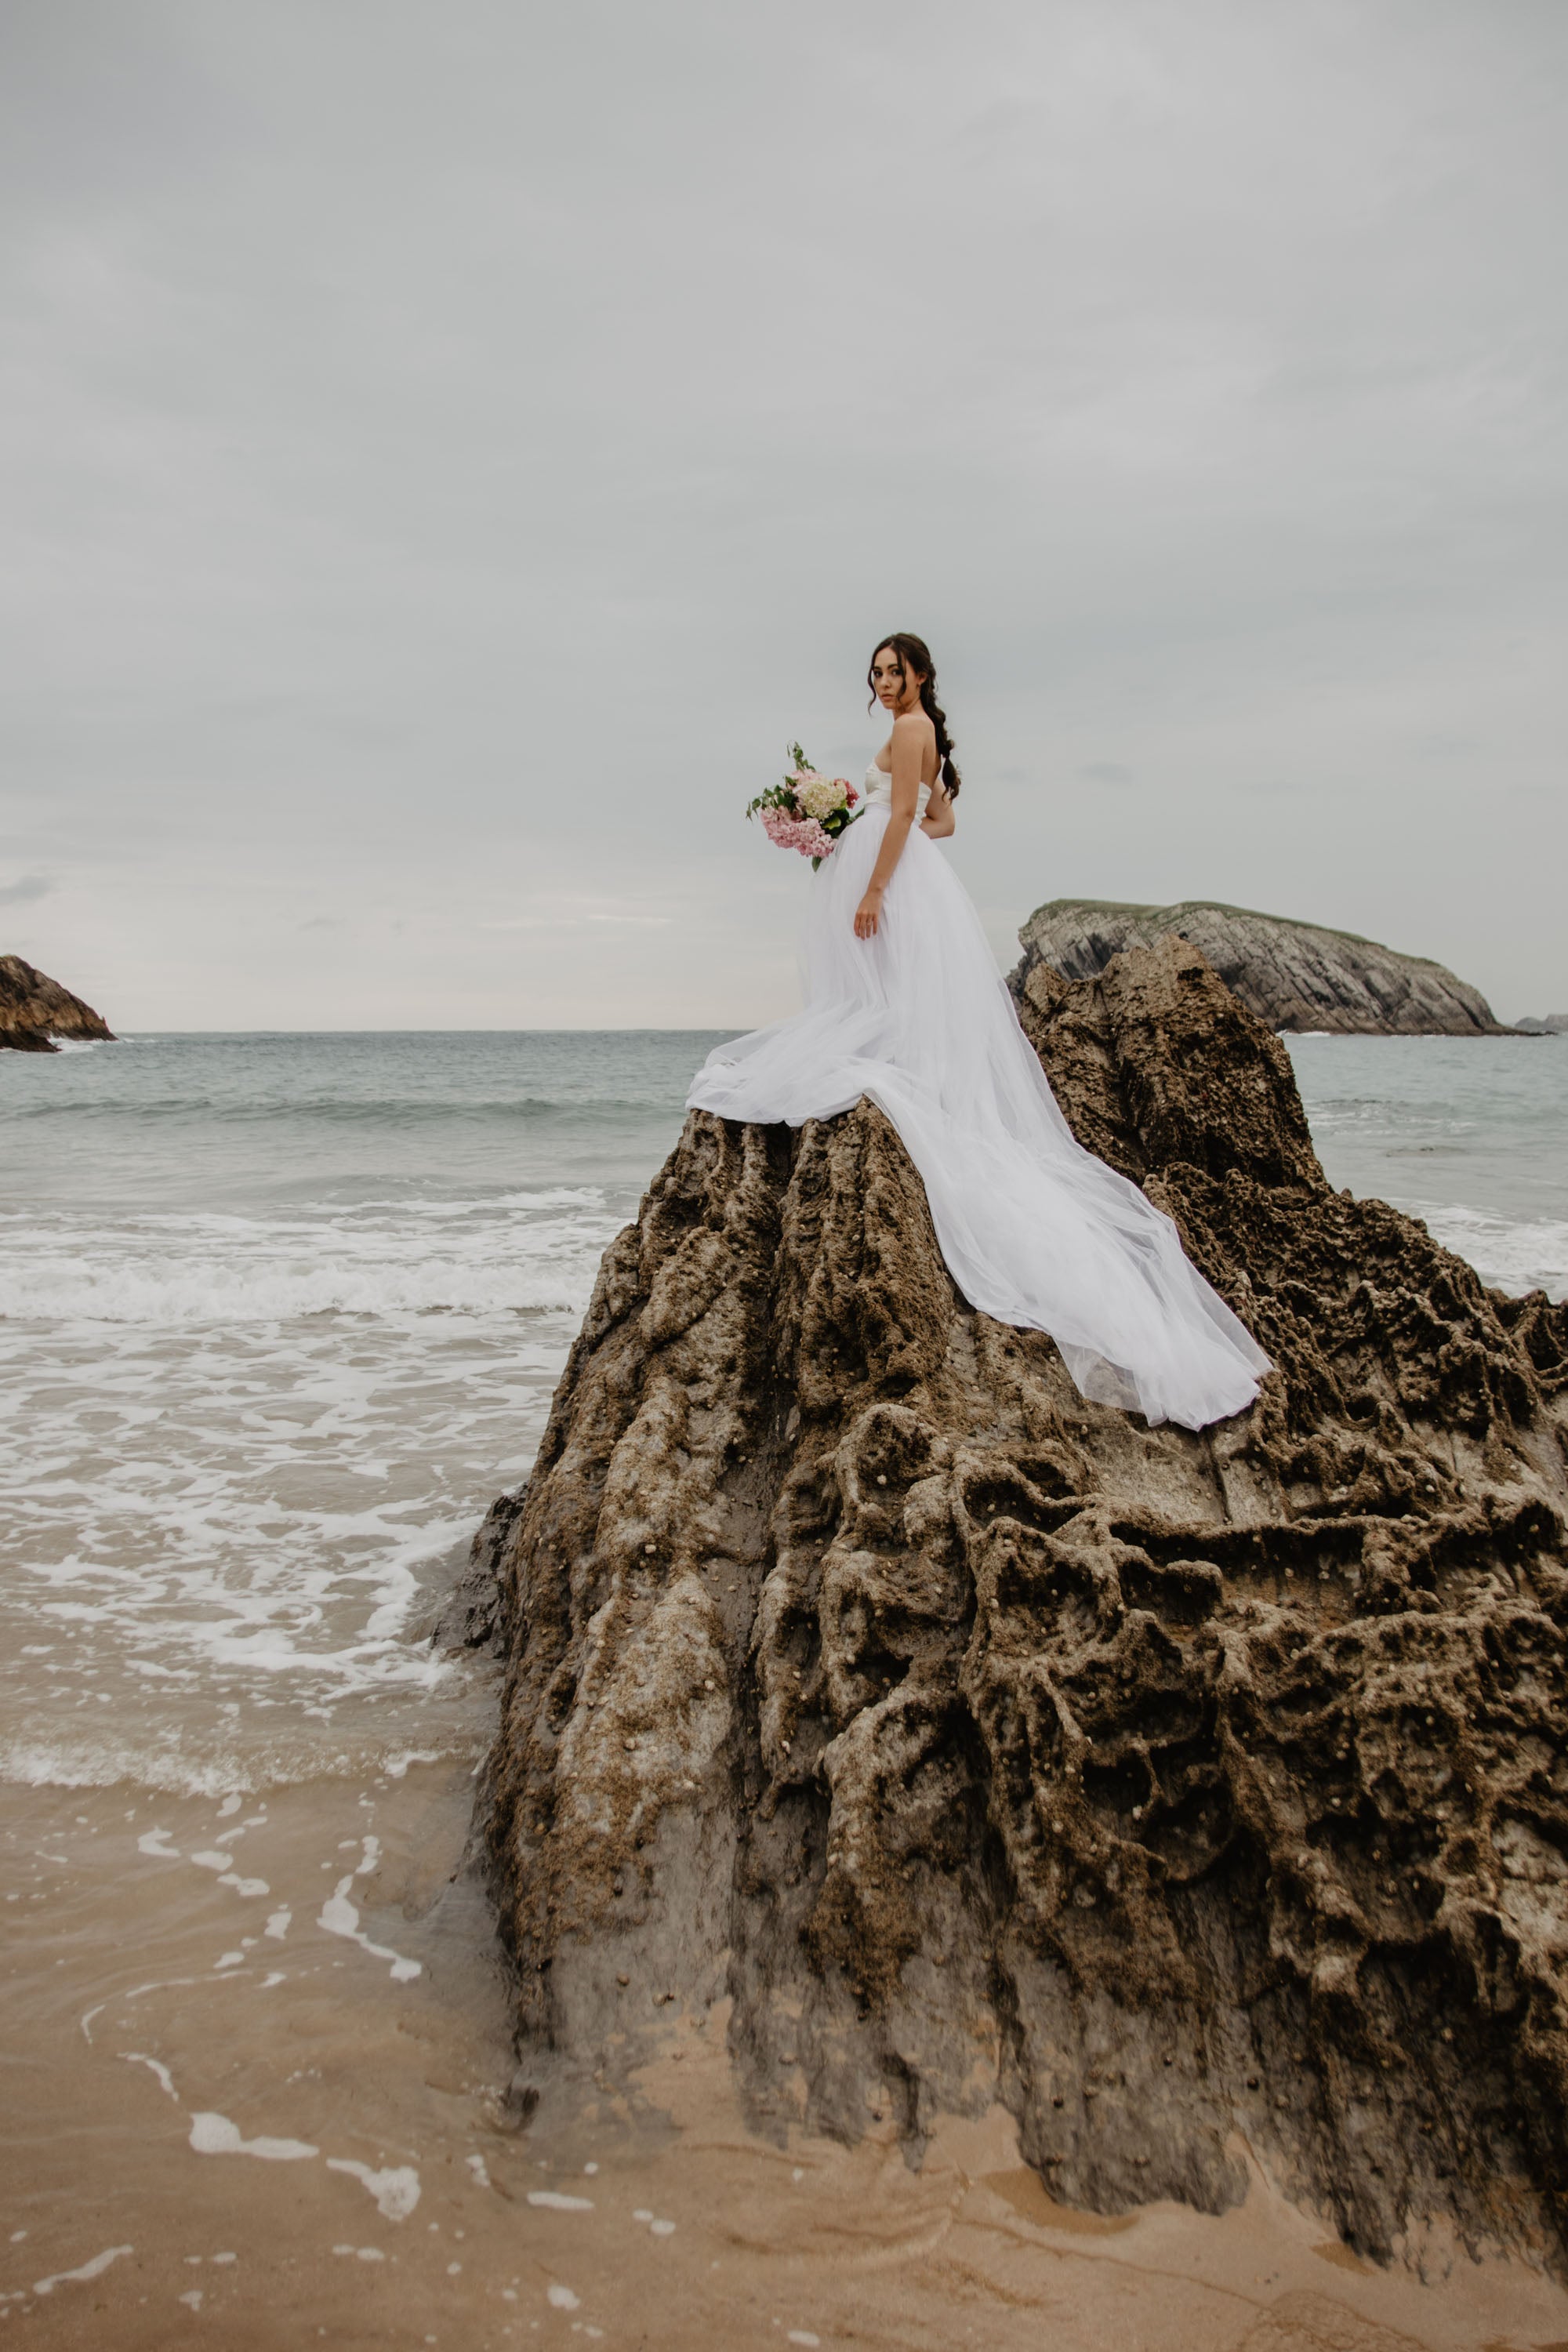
[
  {"x": 1554, "y": 1025},
  {"x": 35, "y": 1010},
  {"x": 1294, "y": 976},
  {"x": 1193, "y": 1795}
]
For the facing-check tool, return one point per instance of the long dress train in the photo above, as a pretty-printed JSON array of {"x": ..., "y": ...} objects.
[{"x": 1035, "y": 1231}]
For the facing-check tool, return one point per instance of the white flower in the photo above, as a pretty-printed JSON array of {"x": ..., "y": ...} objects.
[{"x": 818, "y": 796}]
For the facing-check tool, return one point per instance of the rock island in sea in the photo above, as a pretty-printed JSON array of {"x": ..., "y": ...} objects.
[
  {"x": 977, "y": 1743},
  {"x": 1294, "y": 976},
  {"x": 35, "y": 1010}
]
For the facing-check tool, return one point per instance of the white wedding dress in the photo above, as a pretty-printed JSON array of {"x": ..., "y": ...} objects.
[{"x": 1035, "y": 1231}]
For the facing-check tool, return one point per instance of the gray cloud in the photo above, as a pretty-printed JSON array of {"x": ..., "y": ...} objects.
[
  {"x": 24, "y": 890},
  {"x": 451, "y": 453}
]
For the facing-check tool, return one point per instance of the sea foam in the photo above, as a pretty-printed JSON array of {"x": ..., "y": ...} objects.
[
  {"x": 167, "y": 1271},
  {"x": 1513, "y": 1254}
]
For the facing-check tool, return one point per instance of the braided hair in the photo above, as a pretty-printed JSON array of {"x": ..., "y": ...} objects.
[{"x": 914, "y": 653}]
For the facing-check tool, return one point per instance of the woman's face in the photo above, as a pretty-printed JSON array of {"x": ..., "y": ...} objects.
[{"x": 895, "y": 688}]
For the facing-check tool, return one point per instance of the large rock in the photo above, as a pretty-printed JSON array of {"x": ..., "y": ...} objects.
[
  {"x": 1190, "y": 1794},
  {"x": 1294, "y": 976},
  {"x": 35, "y": 1010}
]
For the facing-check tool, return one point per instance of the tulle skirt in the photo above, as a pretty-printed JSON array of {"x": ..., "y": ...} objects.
[{"x": 1035, "y": 1231}]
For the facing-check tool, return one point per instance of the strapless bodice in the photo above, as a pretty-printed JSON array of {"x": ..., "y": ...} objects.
[{"x": 879, "y": 791}]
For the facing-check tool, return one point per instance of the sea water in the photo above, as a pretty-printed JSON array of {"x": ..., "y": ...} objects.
[
  {"x": 278, "y": 1316},
  {"x": 1469, "y": 1134}
]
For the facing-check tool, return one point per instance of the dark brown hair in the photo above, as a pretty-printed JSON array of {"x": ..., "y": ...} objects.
[{"x": 914, "y": 653}]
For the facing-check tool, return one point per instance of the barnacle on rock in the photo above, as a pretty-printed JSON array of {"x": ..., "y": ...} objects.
[{"x": 976, "y": 1740}]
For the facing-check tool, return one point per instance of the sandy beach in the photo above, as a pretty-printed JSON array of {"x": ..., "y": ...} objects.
[{"x": 235, "y": 2114}]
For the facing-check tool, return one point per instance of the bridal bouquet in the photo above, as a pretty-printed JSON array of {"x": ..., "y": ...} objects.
[{"x": 808, "y": 812}]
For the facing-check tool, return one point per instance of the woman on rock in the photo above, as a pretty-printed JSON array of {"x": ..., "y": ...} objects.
[{"x": 905, "y": 1006}]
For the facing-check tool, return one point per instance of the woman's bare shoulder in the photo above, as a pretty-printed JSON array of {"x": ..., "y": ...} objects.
[{"x": 914, "y": 726}]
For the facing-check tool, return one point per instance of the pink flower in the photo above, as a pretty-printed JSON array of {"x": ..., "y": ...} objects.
[
  {"x": 851, "y": 796},
  {"x": 803, "y": 833}
]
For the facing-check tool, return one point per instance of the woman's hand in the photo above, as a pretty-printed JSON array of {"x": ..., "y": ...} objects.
[{"x": 868, "y": 911}]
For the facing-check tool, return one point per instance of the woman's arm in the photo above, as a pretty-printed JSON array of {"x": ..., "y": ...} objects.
[
  {"x": 940, "y": 818},
  {"x": 909, "y": 733}
]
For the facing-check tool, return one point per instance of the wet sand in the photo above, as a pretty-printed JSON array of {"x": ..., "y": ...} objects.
[{"x": 257, "y": 2094}]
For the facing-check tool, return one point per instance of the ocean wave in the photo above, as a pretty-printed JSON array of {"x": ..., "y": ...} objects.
[
  {"x": 516, "y": 1253},
  {"x": 398, "y": 1111},
  {"x": 115, "y": 1763},
  {"x": 1515, "y": 1254},
  {"x": 359, "y": 1214},
  {"x": 175, "y": 1295},
  {"x": 233, "y": 1538}
]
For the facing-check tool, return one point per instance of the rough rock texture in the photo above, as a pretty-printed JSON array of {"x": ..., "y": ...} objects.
[
  {"x": 1190, "y": 1794},
  {"x": 35, "y": 1010},
  {"x": 1294, "y": 976},
  {"x": 468, "y": 1616}
]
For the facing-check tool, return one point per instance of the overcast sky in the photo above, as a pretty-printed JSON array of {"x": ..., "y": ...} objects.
[{"x": 450, "y": 448}]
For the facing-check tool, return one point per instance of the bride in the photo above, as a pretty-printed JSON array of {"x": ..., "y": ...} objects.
[{"x": 904, "y": 1005}]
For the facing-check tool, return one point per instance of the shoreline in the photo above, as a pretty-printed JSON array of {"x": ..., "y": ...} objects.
[{"x": 157, "y": 2162}]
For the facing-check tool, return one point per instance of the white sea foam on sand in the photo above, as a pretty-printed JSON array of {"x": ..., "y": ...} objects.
[
  {"x": 244, "y": 1449},
  {"x": 396, "y": 2188},
  {"x": 214, "y": 2134},
  {"x": 94, "y": 2269}
]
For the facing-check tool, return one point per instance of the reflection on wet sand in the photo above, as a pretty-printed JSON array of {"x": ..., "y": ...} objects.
[{"x": 272, "y": 2106}]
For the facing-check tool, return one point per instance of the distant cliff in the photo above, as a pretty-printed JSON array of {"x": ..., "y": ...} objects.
[
  {"x": 35, "y": 1010},
  {"x": 1294, "y": 976}
]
